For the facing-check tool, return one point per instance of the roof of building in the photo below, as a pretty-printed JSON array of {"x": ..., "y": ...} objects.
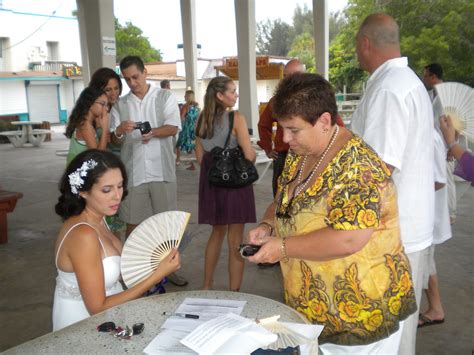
[{"x": 33, "y": 75}]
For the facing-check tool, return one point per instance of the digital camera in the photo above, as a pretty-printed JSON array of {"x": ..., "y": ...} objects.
[
  {"x": 144, "y": 127},
  {"x": 247, "y": 250}
]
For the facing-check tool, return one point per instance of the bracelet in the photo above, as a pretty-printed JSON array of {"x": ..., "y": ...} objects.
[
  {"x": 450, "y": 146},
  {"x": 269, "y": 226},
  {"x": 116, "y": 135},
  {"x": 283, "y": 250}
]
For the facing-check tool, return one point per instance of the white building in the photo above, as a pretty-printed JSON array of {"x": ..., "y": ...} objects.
[{"x": 40, "y": 66}]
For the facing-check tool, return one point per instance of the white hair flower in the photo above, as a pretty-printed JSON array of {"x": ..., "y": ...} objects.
[{"x": 76, "y": 178}]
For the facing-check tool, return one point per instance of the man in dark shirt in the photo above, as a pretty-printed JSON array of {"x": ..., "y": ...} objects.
[{"x": 276, "y": 149}]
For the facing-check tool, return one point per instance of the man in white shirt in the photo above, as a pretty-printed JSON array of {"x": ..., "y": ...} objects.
[
  {"x": 395, "y": 117},
  {"x": 432, "y": 75},
  {"x": 148, "y": 156},
  {"x": 434, "y": 313}
]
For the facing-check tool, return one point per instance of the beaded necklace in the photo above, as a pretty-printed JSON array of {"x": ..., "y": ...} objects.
[{"x": 300, "y": 187}]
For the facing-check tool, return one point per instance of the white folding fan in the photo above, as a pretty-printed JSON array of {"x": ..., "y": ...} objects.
[
  {"x": 149, "y": 243},
  {"x": 286, "y": 336},
  {"x": 457, "y": 101}
]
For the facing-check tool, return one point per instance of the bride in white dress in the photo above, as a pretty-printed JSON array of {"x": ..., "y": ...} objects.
[{"x": 87, "y": 254}]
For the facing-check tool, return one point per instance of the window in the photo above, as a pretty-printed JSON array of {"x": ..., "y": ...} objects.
[
  {"x": 3, "y": 53},
  {"x": 53, "y": 52}
]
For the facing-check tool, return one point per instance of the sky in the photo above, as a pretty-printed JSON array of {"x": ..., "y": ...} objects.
[{"x": 160, "y": 20}]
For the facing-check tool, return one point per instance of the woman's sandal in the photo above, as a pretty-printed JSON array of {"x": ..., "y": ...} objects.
[{"x": 426, "y": 322}]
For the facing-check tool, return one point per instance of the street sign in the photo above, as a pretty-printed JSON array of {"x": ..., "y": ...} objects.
[{"x": 108, "y": 46}]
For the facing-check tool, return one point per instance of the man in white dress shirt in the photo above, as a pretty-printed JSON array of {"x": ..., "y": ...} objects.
[
  {"x": 432, "y": 75},
  {"x": 148, "y": 156},
  {"x": 395, "y": 117}
]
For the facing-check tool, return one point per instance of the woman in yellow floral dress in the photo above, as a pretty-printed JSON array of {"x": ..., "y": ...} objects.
[{"x": 334, "y": 227}]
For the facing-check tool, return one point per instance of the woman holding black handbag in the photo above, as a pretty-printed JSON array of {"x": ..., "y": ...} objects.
[{"x": 226, "y": 209}]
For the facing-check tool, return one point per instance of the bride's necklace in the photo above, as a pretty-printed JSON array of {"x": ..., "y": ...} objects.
[{"x": 300, "y": 187}]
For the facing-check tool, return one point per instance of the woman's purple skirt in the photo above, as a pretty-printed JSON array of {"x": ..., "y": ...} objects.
[{"x": 221, "y": 205}]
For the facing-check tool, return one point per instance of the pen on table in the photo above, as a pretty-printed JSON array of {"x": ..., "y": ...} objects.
[{"x": 184, "y": 315}]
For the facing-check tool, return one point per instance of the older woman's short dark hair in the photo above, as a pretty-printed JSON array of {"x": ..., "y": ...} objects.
[
  {"x": 305, "y": 95},
  {"x": 71, "y": 204}
]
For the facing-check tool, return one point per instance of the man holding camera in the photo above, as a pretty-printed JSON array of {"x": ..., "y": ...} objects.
[{"x": 144, "y": 122}]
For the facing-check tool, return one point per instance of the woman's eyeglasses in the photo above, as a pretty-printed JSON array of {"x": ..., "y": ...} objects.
[
  {"x": 103, "y": 104},
  {"x": 284, "y": 212}
]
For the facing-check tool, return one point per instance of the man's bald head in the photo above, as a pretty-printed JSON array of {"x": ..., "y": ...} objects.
[
  {"x": 377, "y": 41},
  {"x": 381, "y": 29},
  {"x": 294, "y": 66}
]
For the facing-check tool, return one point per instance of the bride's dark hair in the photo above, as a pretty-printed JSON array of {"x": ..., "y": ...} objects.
[{"x": 71, "y": 204}]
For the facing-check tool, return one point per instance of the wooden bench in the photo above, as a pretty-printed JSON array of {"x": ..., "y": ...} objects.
[{"x": 7, "y": 204}]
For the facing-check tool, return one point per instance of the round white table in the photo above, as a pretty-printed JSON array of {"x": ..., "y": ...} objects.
[{"x": 84, "y": 338}]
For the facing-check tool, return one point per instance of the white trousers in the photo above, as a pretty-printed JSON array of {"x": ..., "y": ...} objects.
[
  {"x": 418, "y": 266},
  {"x": 451, "y": 186},
  {"x": 387, "y": 346}
]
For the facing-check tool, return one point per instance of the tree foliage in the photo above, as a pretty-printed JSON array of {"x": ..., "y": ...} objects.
[
  {"x": 303, "y": 48},
  {"x": 430, "y": 30},
  {"x": 278, "y": 38},
  {"x": 130, "y": 41},
  {"x": 273, "y": 37}
]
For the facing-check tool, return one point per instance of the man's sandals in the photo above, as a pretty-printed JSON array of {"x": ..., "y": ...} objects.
[{"x": 425, "y": 321}]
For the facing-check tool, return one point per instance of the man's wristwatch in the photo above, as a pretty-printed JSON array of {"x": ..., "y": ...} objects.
[{"x": 117, "y": 135}]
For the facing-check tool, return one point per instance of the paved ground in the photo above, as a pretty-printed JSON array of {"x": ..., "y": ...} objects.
[{"x": 27, "y": 271}]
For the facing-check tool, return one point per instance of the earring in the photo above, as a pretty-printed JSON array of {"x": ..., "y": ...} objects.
[{"x": 326, "y": 130}]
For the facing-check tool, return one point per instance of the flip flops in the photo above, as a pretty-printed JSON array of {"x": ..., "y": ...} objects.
[{"x": 427, "y": 322}]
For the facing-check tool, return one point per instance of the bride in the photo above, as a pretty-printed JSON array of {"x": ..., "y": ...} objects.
[{"x": 87, "y": 254}]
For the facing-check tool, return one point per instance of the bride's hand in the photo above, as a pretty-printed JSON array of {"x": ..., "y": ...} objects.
[{"x": 169, "y": 264}]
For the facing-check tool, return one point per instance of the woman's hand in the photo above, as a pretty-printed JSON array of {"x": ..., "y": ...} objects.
[
  {"x": 449, "y": 133},
  {"x": 257, "y": 235},
  {"x": 270, "y": 251},
  {"x": 103, "y": 121},
  {"x": 168, "y": 265}
]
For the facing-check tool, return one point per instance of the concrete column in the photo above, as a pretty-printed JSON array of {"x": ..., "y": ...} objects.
[
  {"x": 82, "y": 37},
  {"x": 188, "y": 23},
  {"x": 98, "y": 24},
  {"x": 321, "y": 36},
  {"x": 245, "y": 25}
]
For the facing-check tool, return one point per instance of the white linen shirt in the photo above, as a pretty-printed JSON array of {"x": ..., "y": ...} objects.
[
  {"x": 395, "y": 117},
  {"x": 153, "y": 161}
]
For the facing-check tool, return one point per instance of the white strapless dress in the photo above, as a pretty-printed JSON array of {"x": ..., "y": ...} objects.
[{"x": 68, "y": 306}]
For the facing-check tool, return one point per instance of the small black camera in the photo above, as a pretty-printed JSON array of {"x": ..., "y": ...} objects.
[
  {"x": 247, "y": 250},
  {"x": 144, "y": 127}
]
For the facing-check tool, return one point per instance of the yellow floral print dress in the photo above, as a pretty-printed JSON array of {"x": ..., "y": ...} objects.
[{"x": 360, "y": 298}]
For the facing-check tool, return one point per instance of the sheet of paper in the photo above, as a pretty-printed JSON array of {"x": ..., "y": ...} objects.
[
  {"x": 168, "y": 342},
  {"x": 227, "y": 334},
  {"x": 206, "y": 309},
  {"x": 176, "y": 328}
]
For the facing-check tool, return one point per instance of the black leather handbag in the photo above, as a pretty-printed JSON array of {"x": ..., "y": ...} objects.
[{"x": 229, "y": 167}]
